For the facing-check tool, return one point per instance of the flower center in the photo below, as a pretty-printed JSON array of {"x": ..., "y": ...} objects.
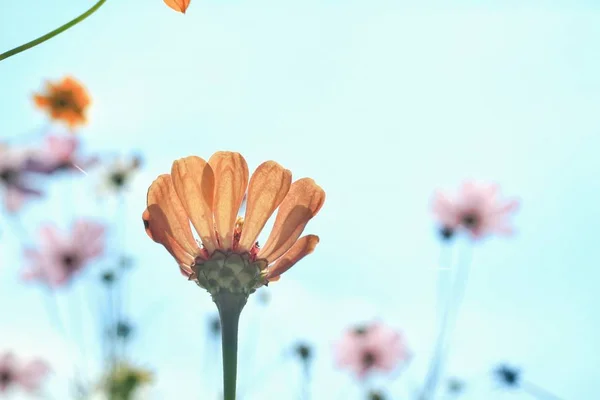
[
  {"x": 470, "y": 220},
  {"x": 63, "y": 101},
  {"x": 8, "y": 175},
  {"x": 368, "y": 359},
  {"x": 5, "y": 377},
  {"x": 69, "y": 261},
  {"x": 118, "y": 178}
]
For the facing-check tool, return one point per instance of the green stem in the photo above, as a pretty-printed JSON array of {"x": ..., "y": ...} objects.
[
  {"x": 449, "y": 316},
  {"x": 230, "y": 307},
  {"x": 306, "y": 380},
  {"x": 53, "y": 33}
]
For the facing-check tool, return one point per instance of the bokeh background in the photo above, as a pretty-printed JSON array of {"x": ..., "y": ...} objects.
[{"x": 381, "y": 102}]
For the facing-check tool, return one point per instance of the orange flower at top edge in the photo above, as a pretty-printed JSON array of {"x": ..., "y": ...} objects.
[
  {"x": 178, "y": 5},
  {"x": 66, "y": 101},
  {"x": 209, "y": 194}
]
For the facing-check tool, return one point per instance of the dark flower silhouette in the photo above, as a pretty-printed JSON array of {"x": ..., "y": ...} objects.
[
  {"x": 376, "y": 395},
  {"x": 508, "y": 376},
  {"x": 15, "y": 177},
  {"x": 304, "y": 352}
]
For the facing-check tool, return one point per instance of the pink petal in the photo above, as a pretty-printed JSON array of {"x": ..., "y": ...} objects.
[
  {"x": 88, "y": 238},
  {"x": 468, "y": 189},
  {"x": 51, "y": 237},
  {"x": 510, "y": 207},
  {"x": 13, "y": 199},
  {"x": 32, "y": 375},
  {"x": 504, "y": 229},
  {"x": 62, "y": 147},
  {"x": 32, "y": 274},
  {"x": 54, "y": 273},
  {"x": 445, "y": 210},
  {"x": 7, "y": 360}
]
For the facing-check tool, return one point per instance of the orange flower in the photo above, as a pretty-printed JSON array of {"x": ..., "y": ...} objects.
[
  {"x": 209, "y": 194},
  {"x": 178, "y": 5},
  {"x": 65, "y": 101}
]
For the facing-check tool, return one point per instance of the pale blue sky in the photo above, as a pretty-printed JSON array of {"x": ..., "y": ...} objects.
[{"x": 380, "y": 102}]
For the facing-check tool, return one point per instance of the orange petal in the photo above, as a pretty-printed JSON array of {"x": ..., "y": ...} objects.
[
  {"x": 231, "y": 180},
  {"x": 303, "y": 202},
  {"x": 165, "y": 206},
  {"x": 73, "y": 119},
  {"x": 184, "y": 258},
  {"x": 178, "y": 5},
  {"x": 165, "y": 221},
  {"x": 268, "y": 186},
  {"x": 303, "y": 247},
  {"x": 40, "y": 100},
  {"x": 194, "y": 183}
]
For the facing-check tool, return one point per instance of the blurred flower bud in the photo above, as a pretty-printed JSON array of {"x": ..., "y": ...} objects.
[
  {"x": 126, "y": 262},
  {"x": 124, "y": 330},
  {"x": 214, "y": 325},
  {"x": 304, "y": 352},
  {"x": 456, "y": 386},
  {"x": 376, "y": 395},
  {"x": 263, "y": 297},
  {"x": 508, "y": 376},
  {"x": 446, "y": 233},
  {"x": 108, "y": 277}
]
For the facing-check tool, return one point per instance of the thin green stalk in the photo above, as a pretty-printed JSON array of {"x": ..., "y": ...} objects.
[
  {"x": 111, "y": 332},
  {"x": 306, "y": 379},
  {"x": 53, "y": 33},
  {"x": 230, "y": 307},
  {"x": 449, "y": 316}
]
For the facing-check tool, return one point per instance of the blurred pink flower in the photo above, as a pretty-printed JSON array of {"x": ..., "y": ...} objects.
[
  {"x": 59, "y": 153},
  {"x": 60, "y": 257},
  {"x": 371, "y": 347},
  {"x": 8, "y": 371},
  {"x": 477, "y": 208},
  {"x": 14, "y": 169},
  {"x": 28, "y": 376}
]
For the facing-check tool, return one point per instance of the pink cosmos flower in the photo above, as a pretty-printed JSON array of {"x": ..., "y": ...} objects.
[
  {"x": 28, "y": 376},
  {"x": 477, "y": 208},
  {"x": 14, "y": 175},
  {"x": 60, "y": 257},
  {"x": 59, "y": 153},
  {"x": 375, "y": 346}
]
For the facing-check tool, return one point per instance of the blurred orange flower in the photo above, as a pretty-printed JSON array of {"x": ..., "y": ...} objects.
[
  {"x": 178, "y": 5},
  {"x": 66, "y": 101},
  {"x": 210, "y": 194}
]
